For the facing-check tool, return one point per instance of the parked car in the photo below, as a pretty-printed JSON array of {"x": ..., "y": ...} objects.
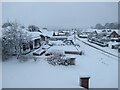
[
  {"x": 116, "y": 46},
  {"x": 118, "y": 40}
]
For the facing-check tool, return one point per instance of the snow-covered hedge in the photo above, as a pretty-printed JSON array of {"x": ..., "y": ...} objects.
[{"x": 58, "y": 58}]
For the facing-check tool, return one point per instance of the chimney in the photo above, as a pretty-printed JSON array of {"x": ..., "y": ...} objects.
[{"x": 84, "y": 82}]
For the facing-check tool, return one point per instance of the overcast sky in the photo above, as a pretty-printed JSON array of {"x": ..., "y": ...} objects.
[{"x": 62, "y": 14}]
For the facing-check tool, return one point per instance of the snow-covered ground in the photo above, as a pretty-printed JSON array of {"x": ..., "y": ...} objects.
[
  {"x": 107, "y": 49},
  {"x": 102, "y": 69}
]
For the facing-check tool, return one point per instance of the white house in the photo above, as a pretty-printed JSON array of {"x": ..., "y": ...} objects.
[{"x": 33, "y": 42}]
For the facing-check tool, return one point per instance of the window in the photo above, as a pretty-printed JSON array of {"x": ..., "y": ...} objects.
[{"x": 24, "y": 47}]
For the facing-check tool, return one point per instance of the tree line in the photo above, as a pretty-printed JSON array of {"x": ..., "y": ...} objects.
[{"x": 107, "y": 26}]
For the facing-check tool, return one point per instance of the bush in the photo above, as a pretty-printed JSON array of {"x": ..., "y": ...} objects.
[
  {"x": 59, "y": 59},
  {"x": 23, "y": 58}
]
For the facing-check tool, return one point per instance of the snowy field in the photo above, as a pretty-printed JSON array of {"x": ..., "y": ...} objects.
[{"x": 102, "y": 69}]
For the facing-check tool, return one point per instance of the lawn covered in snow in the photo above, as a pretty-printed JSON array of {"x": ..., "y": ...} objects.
[{"x": 102, "y": 69}]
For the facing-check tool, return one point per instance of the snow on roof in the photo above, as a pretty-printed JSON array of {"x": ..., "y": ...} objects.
[
  {"x": 116, "y": 30},
  {"x": 109, "y": 31},
  {"x": 56, "y": 42},
  {"x": 61, "y": 33},
  {"x": 70, "y": 37},
  {"x": 56, "y": 32},
  {"x": 46, "y": 32},
  {"x": 89, "y": 30},
  {"x": 70, "y": 56},
  {"x": 83, "y": 35},
  {"x": 63, "y": 48},
  {"x": 101, "y": 30},
  {"x": 85, "y": 76},
  {"x": 45, "y": 46},
  {"x": 59, "y": 37},
  {"x": 33, "y": 35}
]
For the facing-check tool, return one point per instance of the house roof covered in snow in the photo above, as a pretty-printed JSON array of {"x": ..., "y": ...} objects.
[
  {"x": 70, "y": 37},
  {"x": 116, "y": 30},
  {"x": 33, "y": 35},
  {"x": 47, "y": 33},
  {"x": 59, "y": 37},
  {"x": 63, "y": 48},
  {"x": 56, "y": 42},
  {"x": 89, "y": 30},
  {"x": 101, "y": 30}
]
